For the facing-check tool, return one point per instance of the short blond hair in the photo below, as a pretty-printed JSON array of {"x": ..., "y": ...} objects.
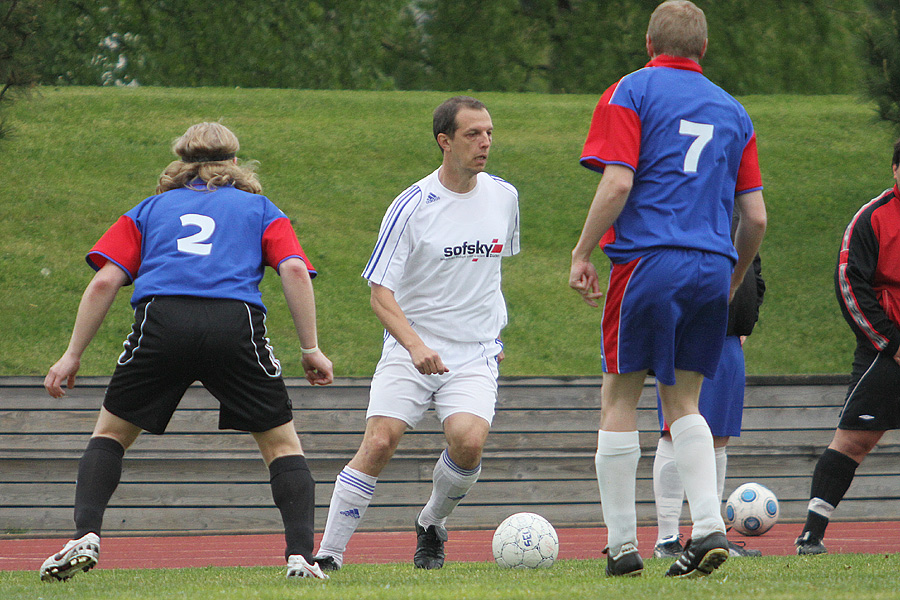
[
  {"x": 678, "y": 28},
  {"x": 207, "y": 151}
]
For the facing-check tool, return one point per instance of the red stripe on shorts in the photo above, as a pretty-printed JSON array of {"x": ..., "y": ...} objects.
[{"x": 612, "y": 312}]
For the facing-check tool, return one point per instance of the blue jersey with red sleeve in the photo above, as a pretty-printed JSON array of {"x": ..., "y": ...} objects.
[
  {"x": 194, "y": 242},
  {"x": 693, "y": 149}
]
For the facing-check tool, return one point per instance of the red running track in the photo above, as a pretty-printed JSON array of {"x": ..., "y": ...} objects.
[{"x": 384, "y": 547}]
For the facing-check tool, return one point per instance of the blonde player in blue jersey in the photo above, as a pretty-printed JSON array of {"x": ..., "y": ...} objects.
[
  {"x": 196, "y": 252},
  {"x": 435, "y": 286},
  {"x": 676, "y": 153}
]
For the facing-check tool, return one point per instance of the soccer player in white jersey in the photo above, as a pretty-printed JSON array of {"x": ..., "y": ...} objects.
[{"x": 435, "y": 283}]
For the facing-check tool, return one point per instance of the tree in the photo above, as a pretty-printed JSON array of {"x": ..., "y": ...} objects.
[
  {"x": 70, "y": 40},
  {"x": 596, "y": 43},
  {"x": 564, "y": 46},
  {"x": 268, "y": 43},
  {"x": 881, "y": 42},
  {"x": 17, "y": 26},
  {"x": 771, "y": 46},
  {"x": 499, "y": 45},
  {"x": 755, "y": 46}
]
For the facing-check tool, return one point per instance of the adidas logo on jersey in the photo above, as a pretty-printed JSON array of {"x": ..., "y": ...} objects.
[
  {"x": 432, "y": 197},
  {"x": 352, "y": 513},
  {"x": 474, "y": 250}
]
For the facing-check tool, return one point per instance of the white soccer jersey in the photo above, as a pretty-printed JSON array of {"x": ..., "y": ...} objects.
[{"x": 439, "y": 252}]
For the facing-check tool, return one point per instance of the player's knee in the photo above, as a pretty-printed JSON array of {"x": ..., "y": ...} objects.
[
  {"x": 855, "y": 444},
  {"x": 466, "y": 452},
  {"x": 379, "y": 446}
]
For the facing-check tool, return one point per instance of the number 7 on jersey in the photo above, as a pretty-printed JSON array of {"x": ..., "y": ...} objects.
[{"x": 703, "y": 132}]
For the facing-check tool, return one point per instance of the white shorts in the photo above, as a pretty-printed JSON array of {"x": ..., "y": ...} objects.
[{"x": 398, "y": 390}]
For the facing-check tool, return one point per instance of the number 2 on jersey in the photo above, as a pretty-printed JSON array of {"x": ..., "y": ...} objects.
[
  {"x": 194, "y": 244},
  {"x": 703, "y": 133}
]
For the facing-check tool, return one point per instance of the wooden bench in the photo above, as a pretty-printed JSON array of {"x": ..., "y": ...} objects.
[{"x": 539, "y": 458}]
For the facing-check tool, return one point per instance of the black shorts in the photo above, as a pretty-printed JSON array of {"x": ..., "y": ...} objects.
[
  {"x": 177, "y": 340},
  {"x": 873, "y": 399}
]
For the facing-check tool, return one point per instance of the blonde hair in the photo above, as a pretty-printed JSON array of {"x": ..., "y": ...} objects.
[
  {"x": 206, "y": 151},
  {"x": 678, "y": 28}
]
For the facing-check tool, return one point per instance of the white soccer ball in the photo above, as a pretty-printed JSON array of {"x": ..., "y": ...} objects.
[
  {"x": 751, "y": 509},
  {"x": 525, "y": 541}
]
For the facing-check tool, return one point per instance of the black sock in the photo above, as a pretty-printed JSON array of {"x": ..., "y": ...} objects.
[
  {"x": 99, "y": 471},
  {"x": 831, "y": 479},
  {"x": 294, "y": 492}
]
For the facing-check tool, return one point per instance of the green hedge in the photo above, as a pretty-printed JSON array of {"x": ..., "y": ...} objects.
[{"x": 574, "y": 46}]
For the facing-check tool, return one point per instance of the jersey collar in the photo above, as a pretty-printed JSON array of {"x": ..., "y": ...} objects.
[
  {"x": 197, "y": 184},
  {"x": 675, "y": 62}
]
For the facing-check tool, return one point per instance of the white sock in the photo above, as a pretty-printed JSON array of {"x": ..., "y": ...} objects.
[
  {"x": 668, "y": 491},
  {"x": 721, "y": 467},
  {"x": 451, "y": 484},
  {"x": 352, "y": 494},
  {"x": 695, "y": 457},
  {"x": 616, "y": 462}
]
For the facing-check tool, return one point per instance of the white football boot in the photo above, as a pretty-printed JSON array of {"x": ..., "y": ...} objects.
[
  {"x": 76, "y": 556},
  {"x": 298, "y": 567}
]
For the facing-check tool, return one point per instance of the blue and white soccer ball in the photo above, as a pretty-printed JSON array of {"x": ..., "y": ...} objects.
[
  {"x": 751, "y": 509},
  {"x": 525, "y": 541}
]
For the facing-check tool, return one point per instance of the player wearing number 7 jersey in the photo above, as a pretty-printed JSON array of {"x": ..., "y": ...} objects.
[
  {"x": 677, "y": 155},
  {"x": 196, "y": 252}
]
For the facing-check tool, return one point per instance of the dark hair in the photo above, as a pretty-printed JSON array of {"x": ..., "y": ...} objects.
[
  {"x": 445, "y": 114},
  {"x": 896, "y": 159}
]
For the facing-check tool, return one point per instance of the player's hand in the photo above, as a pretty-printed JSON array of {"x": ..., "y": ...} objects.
[
  {"x": 583, "y": 279},
  {"x": 64, "y": 370},
  {"x": 317, "y": 368},
  {"x": 427, "y": 361}
]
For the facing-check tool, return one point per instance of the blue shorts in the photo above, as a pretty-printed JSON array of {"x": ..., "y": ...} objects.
[
  {"x": 722, "y": 398},
  {"x": 666, "y": 310}
]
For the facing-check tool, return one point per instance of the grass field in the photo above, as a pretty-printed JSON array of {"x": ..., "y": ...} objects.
[
  {"x": 333, "y": 161},
  {"x": 832, "y": 577}
]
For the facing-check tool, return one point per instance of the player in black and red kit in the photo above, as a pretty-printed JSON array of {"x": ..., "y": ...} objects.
[
  {"x": 196, "y": 252},
  {"x": 867, "y": 282}
]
